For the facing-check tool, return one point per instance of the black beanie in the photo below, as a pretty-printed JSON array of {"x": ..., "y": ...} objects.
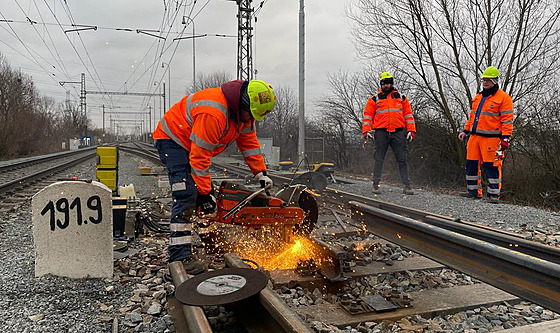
[{"x": 244, "y": 102}]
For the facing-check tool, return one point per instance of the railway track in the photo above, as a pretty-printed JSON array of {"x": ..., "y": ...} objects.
[
  {"x": 20, "y": 180},
  {"x": 518, "y": 267}
]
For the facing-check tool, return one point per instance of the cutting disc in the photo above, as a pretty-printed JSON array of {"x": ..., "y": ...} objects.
[{"x": 222, "y": 286}]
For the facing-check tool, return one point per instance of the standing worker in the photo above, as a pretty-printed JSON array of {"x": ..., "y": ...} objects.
[
  {"x": 194, "y": 130},
  {"x": 390, "y": 117},
  {"x": 489, "y": 128}
]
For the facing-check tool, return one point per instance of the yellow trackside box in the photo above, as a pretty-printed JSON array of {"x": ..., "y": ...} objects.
[
  {"x": 108, "y": 166},
  {"x": 108, "y": 177},
  {"x": 107, "y": 157}
]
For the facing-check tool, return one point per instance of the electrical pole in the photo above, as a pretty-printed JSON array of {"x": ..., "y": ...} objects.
[
  {"x": 168, "y": 82},
  {"x": 83, "y": 101},
  {"x": 164, "y": 97},
  {"x": 83, "y": 93},
  {"x": 244, "y": 40},
  {"x": 150, "y": 129},
  {"x": 193, "y": 52},
  {"x": 301, "y": 138},
  {"x": 103, "y": 118}
]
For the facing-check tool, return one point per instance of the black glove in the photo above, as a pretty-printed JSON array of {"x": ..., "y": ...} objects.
[{"x": 206, "y": 205}]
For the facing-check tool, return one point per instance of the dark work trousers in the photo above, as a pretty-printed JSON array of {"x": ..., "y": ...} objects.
[
  {"x": 397, "y": 141},
  {"x": 183, "y": 192},
  {"x": 493, "y": 175}
]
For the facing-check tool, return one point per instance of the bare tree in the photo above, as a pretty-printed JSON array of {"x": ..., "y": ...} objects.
[
  {"x": 16, "y": 108},
  {"x": 211, "y": 80},
  {"x": 72, "y": 121},
  {"x": 282, "y": 123},
  {"x": 341, "y": 112},
  {"x": 348, "y": 97}
]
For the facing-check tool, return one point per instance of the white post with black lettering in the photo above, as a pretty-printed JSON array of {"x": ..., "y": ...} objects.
[{"x": 73, "y": 230}]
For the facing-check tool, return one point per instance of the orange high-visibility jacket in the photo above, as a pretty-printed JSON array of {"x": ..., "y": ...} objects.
[
  {"x": 495, "y": 118},
  {"x": 389, "y": 111},
  {"x": 200, "y": 123}
]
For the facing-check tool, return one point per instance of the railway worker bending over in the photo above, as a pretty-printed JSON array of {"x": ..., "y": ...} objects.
[
  {"x": 201, "y": 125},
  {"x": 489, "y": 128}
]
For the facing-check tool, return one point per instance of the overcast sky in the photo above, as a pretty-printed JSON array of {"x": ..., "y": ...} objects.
[{"x": 132, "y": 61}]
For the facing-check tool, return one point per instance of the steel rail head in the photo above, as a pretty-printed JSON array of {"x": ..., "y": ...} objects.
[
  {"x": 194, "y": 315},
  {"x": 331, "y": 269},
  {"x": 523, "y": 275},
  {"x": 514, "y": 242}
]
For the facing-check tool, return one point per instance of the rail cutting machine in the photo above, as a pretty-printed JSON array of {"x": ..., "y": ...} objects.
[{"x": 293, "y": 208}]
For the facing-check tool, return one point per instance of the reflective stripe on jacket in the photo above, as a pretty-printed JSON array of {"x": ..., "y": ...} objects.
[
  {"x": 495, "y": 118},
  {"x": 200, "y": 123},
  {"x": 389, "y": 111}
]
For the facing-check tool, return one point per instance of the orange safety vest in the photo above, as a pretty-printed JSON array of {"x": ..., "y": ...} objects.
[
  {"x": 389, "y": 111},
  {"x": 495, "y": 118},
  {"x": 200, "y": 123}
]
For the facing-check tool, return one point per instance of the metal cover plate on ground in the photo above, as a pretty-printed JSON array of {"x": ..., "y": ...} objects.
[
  {"x": 222, "y": 286},
  {"x": 378, "y": 303}
]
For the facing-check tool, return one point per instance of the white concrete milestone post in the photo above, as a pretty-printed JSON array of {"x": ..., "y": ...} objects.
[{"x": 73, "y": 230}]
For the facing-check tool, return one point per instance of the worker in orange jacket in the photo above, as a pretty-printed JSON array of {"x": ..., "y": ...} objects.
[
  {"x": 389, "y": 116},
  {"x": 489, "y": 129},
  {"x": 201, "y": 125}
]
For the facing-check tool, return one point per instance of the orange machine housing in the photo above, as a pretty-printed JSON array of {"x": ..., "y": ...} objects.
[{"x": 261, "y": 210}]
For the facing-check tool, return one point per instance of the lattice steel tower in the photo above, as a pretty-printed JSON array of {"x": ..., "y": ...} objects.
[
  {"x": 244, "y": 40},
  {"x": 83, "y": 104}
]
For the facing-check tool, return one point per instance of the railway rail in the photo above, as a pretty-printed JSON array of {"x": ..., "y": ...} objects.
[
  {"x": 527, "y": 269},
  {"x": 21, "y": 179},
  {"x": 26, "y": 162}
]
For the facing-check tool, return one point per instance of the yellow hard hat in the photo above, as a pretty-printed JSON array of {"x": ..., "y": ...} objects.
[
  {"x": 261, "y": 98},
  {"x": 491, "y": 72},
  {"x": 385, "y": 75}
]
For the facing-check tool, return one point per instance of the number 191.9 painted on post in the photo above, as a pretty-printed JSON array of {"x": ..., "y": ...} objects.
[{"x": 63, "y": 206}]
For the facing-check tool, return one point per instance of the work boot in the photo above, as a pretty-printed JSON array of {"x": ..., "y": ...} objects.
[
  {"x": 492, "y": 200},
  {"x": 469, "y": 195},
  {"x": 407, "y": 190},
  {"x": 376, "y": 189},
  {"x": 194, "y": 266}
]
